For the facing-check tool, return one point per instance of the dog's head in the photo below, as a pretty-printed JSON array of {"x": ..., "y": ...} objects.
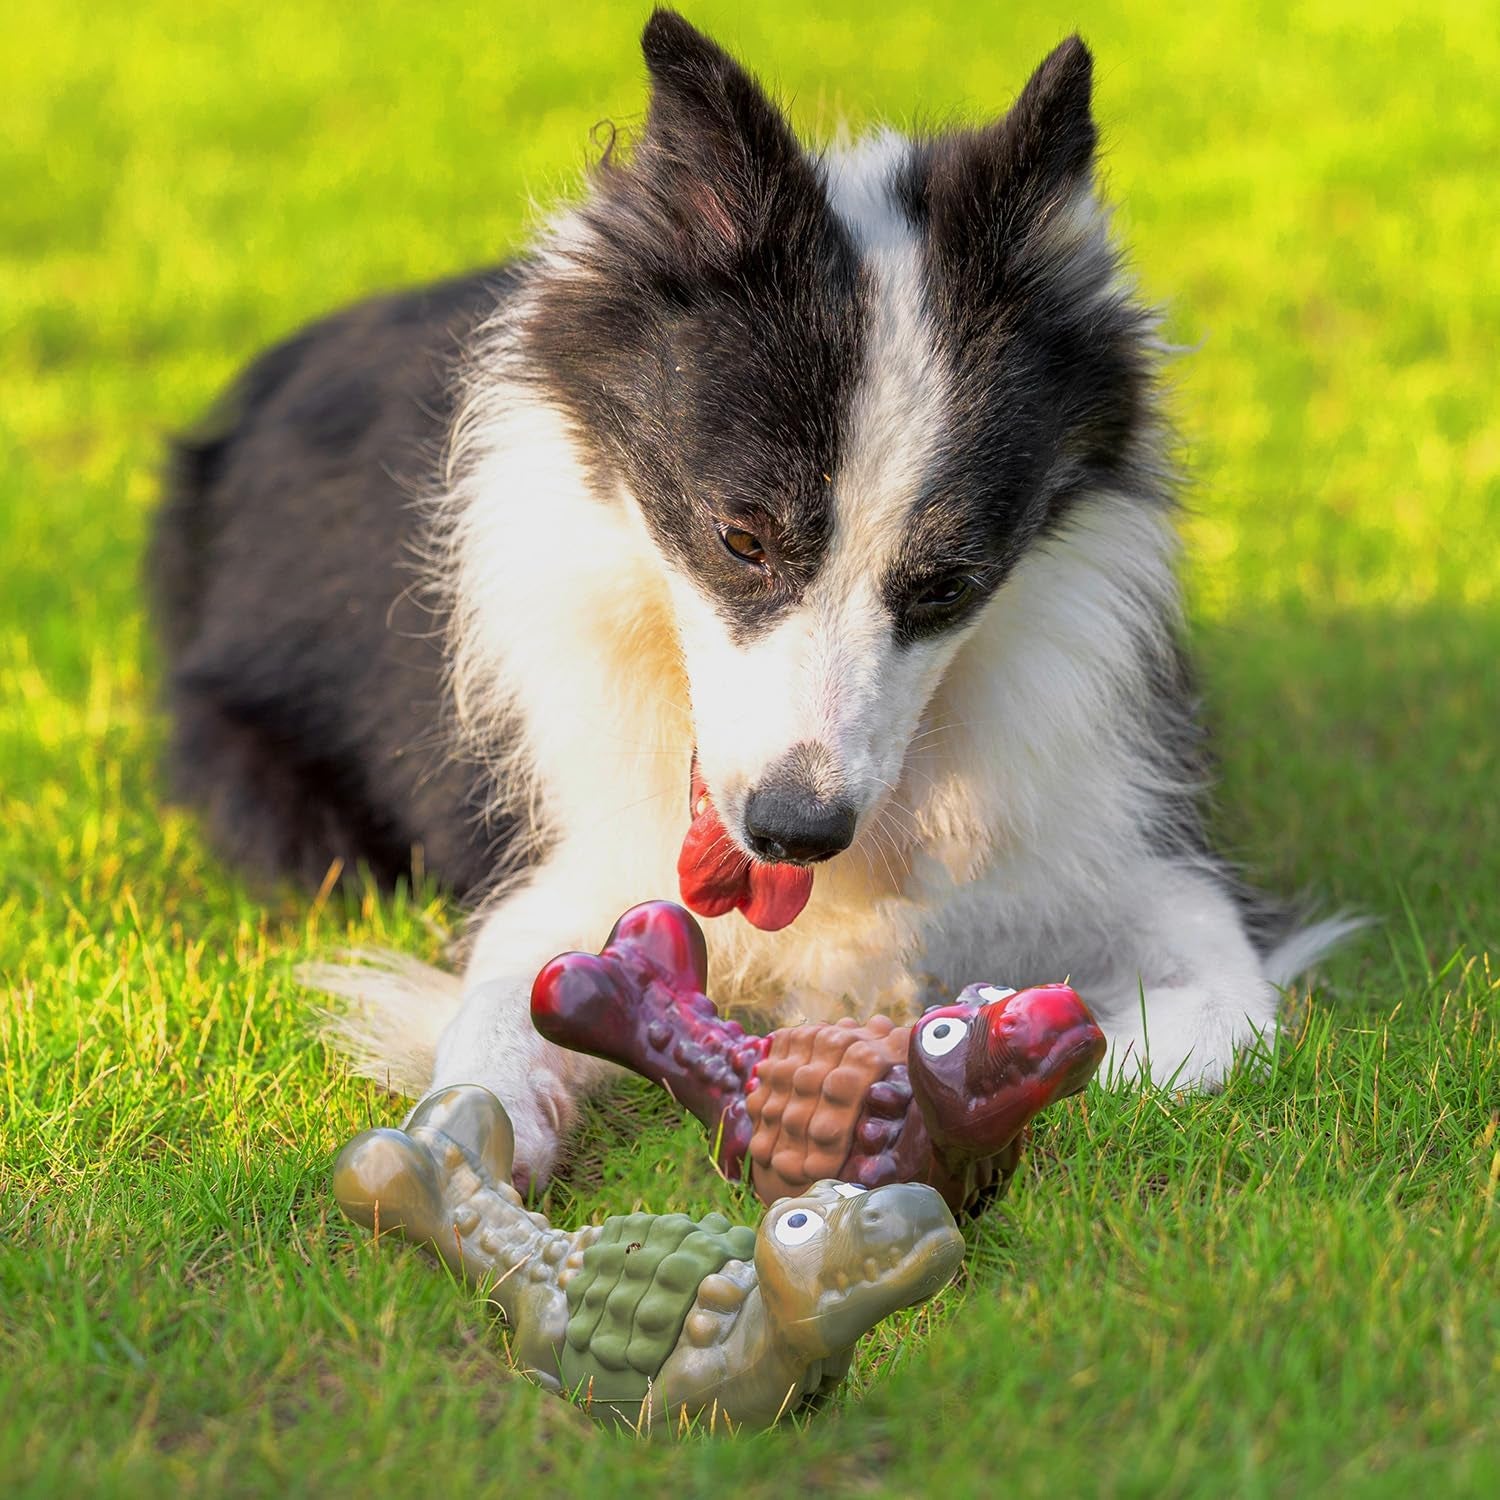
[{"x": 845, "y": 392}]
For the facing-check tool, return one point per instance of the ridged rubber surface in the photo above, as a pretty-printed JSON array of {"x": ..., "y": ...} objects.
[{"x": 628, "y": 1301}]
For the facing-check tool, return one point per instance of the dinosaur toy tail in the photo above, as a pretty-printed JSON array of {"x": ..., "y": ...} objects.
[
  {"x": 639, "y": 1002},
  {"x": 399, "y": 1181}
]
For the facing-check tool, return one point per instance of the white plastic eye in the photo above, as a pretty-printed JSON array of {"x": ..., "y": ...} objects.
[
  {"x": 940, "y": 1037},
  {"x": 847, "y": 1189},
  {"x": 990, "y": 993},
  {"x": 797, "y": 1227}
]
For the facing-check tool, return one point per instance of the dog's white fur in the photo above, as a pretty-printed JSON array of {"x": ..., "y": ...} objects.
[{"x": 1005, "y": 813}]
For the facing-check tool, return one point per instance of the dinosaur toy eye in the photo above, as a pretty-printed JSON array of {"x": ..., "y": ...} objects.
[
  {"x": 990, "y": 993},
  {"x": 848, "y": 1189},
  {"x": 940, "y": 1037},
  {"x": 798, "y": 1227}
]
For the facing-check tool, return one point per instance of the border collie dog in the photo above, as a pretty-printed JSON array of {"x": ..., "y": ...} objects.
[{"x": 815, "y": 498}]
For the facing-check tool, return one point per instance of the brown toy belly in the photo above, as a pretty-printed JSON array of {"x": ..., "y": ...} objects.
[
  {"x": 836, "y": 1101},
  {"x": 813, "y": 1095}
]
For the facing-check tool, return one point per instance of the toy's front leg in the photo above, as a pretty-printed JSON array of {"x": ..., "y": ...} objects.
[
  {"x": 834, "y": 1373},
  {"x": 721, "y": 1347},
  {"x": 538, "y": 1322},
  {"x": 639, "y": 1002}
]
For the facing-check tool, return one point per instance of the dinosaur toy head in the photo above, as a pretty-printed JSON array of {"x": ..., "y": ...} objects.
[
  {"x": 836, "y": 1260},
  {"x": 982, "y": 1067}
]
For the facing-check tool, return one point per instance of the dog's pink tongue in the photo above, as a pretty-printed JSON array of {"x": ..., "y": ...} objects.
[
  {"x": 715, "y": 876},
  {"x": 777, "y": 895}
]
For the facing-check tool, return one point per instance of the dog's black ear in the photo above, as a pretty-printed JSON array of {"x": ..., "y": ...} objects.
[
  {"x": 983, "y": 193},
  {"x": 716, "y": 151},
  {"x": 1049, "y": 132}
]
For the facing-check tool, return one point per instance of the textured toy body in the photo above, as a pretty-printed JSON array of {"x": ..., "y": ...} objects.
[
  {"x": 944, "y": 1102},
  {"x": 631, "y": 1294},
  {"x": 650, "y": 1319},
  {"x": 836, "y": 1101}
]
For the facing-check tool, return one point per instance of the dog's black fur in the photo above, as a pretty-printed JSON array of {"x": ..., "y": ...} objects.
[{"x": 305, "y": 664}]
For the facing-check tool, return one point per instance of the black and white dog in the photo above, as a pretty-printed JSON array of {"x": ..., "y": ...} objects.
[{"x": 832, "y": 483}]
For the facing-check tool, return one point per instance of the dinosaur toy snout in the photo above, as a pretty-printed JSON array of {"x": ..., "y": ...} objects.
[{"x": 985, "y": 1066}]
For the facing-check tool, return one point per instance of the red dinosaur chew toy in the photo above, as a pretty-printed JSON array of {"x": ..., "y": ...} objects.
[{"x": 945, "y": 1101}]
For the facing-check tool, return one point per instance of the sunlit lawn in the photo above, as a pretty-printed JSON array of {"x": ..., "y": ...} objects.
[{"x": 1287, "y": 1288}]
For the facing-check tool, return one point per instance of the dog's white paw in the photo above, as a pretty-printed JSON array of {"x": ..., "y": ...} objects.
[
  {"x": 541, "y": 1116},
  {"x": 1187, "y": 1037},
  {"x": 491, "y": 1042}
]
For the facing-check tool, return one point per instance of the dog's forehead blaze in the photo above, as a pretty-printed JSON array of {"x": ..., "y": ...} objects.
[
  {"x": 819, "y": 411},
  {"x": 898, "y": 418}
]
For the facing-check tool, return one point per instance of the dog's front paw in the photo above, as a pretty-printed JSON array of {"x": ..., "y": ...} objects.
[
  {"x": 492, "y": 1042},
  {"x": 540, "y": 1125},
  {"x": 1187, "y": 1037}
]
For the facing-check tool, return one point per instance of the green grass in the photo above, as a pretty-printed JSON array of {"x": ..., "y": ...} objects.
[{"x": 1286, "y": 1289}]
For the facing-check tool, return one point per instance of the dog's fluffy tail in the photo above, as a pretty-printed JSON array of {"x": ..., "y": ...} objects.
[
  {"x": 395, "y": 1010},
  {"x": 1302, "y": 947}
]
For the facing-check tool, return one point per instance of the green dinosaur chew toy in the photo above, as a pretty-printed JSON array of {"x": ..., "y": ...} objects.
[{"x": 650, "y": 1319}]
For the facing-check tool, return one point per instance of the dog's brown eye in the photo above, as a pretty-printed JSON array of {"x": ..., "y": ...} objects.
[
  {"x": 946, "y": 593},
  {"x": 743, "y": 544}
]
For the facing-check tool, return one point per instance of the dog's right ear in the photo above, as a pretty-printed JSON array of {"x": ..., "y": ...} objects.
[
  {"x": 717, "y": 154},
  {"x": 1049, "y": 133},
  {"x": 986, "y": 194}
]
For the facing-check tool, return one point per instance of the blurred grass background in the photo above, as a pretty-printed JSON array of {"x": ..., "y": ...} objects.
[{"x": 1288, "y": 1287}]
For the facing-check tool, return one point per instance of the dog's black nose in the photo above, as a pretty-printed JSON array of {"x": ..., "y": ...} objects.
[{"x": 789, "y": 825}]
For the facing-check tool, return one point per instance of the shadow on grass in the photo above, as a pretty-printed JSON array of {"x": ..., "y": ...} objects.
[{"x": 1360, "y": 761}]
